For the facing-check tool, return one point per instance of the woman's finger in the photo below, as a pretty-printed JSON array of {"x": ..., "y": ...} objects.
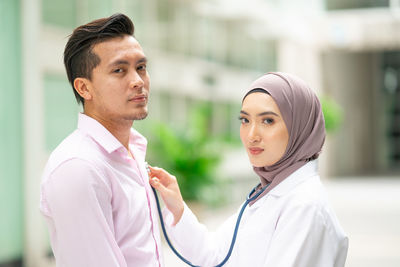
[
  {"x": 160, "y": 173},
  {"x": 155, "y": 182},
  {"x": 155, "y": 170}
]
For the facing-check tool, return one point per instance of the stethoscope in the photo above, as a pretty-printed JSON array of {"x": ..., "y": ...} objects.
[{"x": 249, "y": 198}]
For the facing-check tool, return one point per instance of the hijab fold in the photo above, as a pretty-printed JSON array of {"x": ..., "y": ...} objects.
[{"x": 302, "y": 114}]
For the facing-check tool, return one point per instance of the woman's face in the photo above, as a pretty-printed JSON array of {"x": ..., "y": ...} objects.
[{"x": 263, "y": 131}]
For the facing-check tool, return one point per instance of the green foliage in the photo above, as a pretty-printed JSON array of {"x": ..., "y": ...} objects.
[
  {"x": 332, "y": 114},
  {"x": 189, "y": 154}
]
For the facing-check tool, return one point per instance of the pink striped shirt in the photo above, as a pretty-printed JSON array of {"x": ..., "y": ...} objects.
[{"x": 98, "y": 203}]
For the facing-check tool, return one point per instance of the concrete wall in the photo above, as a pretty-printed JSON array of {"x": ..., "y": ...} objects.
[{"x": 351, "y": 79}]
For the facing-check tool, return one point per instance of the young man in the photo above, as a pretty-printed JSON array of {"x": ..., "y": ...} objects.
[{"x": 95, "y": 193}]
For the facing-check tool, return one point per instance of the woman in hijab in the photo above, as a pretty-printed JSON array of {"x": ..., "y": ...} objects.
[{"x": 290, "y": 222}]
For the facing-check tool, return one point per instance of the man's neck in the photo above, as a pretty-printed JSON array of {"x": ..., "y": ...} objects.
[{"x": 120, "y": 130}]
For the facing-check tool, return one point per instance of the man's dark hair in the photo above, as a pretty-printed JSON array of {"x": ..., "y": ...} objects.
[{"x": 79, "y": 59}]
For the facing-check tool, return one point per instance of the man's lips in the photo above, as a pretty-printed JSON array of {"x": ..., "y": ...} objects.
[
  {"x": 255, "y": 150},
  {"x": 138, "y": 98}
]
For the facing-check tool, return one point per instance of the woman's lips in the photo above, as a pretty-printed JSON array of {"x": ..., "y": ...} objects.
[{"x": 255, "y": 150}]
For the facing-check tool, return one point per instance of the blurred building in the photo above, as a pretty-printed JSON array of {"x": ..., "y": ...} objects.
[{"x": 198, "y": 50}]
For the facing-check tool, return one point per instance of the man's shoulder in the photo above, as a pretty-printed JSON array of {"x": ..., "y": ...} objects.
[
  {"x": 76, "y": 153},
  {"x": 76, "y": 146}
]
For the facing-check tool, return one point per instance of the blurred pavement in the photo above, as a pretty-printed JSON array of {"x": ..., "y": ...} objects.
[{"x": 368, "y": 209}]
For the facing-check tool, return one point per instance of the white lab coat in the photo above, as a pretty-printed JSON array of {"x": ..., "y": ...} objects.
[{"x": 291, "y": 226}]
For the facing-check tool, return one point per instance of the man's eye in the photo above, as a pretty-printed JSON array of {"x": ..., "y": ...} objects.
[
  {"x": 141, "y": 67},
  {"x": 118, "y": 70}
]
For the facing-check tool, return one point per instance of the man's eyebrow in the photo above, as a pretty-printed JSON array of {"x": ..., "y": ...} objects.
[
  {"x": 142, "y": 60},
  {"x": 118, "y": 62},
  {"x": 261, "y": 114},
  {"x": 126, "y": 62}
]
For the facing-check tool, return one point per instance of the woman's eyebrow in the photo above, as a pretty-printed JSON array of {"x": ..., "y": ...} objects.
[
  {"x": 267, "y": 113},
  {"x": 261, "y": 114}
]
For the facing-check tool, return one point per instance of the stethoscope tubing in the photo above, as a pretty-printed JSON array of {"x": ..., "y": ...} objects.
[{"x": 249, "y": 198}]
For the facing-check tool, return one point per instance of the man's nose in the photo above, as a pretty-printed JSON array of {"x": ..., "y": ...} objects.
[{"x": 136, "y": 81}]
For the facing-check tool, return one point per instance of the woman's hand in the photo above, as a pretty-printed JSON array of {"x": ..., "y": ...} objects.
[{"x": 168, "y": 187}]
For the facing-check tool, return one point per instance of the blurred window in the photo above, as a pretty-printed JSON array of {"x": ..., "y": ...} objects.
[
  {"x": 60, "y": 109},
  {"x": 391, "y": 85},
  {"x": 11, "y": 135},
  {"x": 59, "y": 12},
  {"x": 353, "y": 4}
]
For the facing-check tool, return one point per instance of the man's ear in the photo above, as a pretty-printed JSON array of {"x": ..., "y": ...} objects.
[{"x": 83, "y": 87}]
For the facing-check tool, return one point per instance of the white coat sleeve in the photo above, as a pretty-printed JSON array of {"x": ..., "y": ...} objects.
[
  {"x": 193, "y": 240},
  {"x": 305, "y": 237},
  {"x": 79, "y": 202}
]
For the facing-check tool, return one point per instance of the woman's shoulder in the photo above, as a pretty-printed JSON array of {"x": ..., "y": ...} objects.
[
  {"x": 300, "y": 192},
  {"x": 309, "y": 192},
  {"x": 311, "y": 198}
]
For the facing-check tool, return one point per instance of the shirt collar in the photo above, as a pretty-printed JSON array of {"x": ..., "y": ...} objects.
[
  {"x": 297, "y": 177},
  {"x": 287, "y": 185},
  {"x": 105, "y": 139}
]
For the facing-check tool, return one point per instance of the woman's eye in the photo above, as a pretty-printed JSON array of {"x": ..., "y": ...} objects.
[
  {"x": 243, "y": 120},
  {"x": 268, "y": 121}
]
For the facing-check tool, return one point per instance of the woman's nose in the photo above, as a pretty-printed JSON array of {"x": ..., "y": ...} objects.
[{"x": 254, "y": 136}]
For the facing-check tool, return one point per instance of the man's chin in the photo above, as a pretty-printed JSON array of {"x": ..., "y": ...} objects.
[{"x": 138, "y": 116}]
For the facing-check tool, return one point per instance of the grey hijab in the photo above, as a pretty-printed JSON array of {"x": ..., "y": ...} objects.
[{"x": 302, "y": 114}]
